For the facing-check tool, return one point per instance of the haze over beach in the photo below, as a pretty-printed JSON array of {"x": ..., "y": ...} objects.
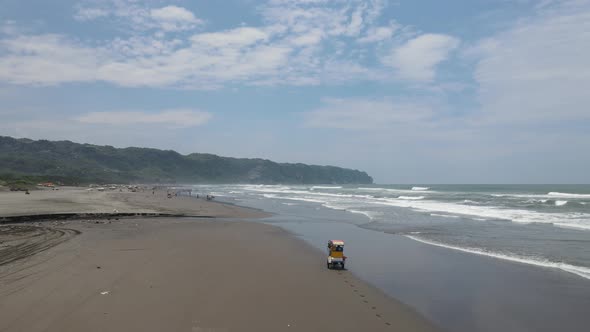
[{"x": 181, "y": 165}]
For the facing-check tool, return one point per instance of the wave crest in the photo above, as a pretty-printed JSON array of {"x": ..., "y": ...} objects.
[
  {"x": 411, "y": 197},
  {"x": 558, "y": 194}
]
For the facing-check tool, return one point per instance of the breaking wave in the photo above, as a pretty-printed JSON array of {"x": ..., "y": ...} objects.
[
  {"x": 558, "y": 194},
  {"x": 420, "y": 188},
  {"x": 355, "y": 199},
  {"x": 411, "y": 197}
]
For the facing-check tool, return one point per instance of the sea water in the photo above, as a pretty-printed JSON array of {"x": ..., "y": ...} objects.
[{"x": 538, "y": 225}]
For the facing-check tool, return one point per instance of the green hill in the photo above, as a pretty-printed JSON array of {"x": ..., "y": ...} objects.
[{"x": 85, "y": 163}]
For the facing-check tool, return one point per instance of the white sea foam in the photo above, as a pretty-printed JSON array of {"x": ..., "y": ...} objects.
[
  {"x": 420, "y": 188},
  {"x": 560, "y": 203},
  {"x": 325, "y": 187},
  {"x": 533, "y": 200},
  {"x": 411, "y": 197},
  {"x": 558, "y": 194},
  {"x": 290, "y": 204},
  {"x": 566, "y": 219},
  {"x": 335, "y": 206},
  {"x": 572, "y": 220},
  {"x": 581, "y": 271},
  {"x": 305, "y": 199},
  {"x": 468, "y": 201},
  {"x": 443, "y": 215},
  {"x": 391, "y": 190},
  {"x": 365, "y": 213}
]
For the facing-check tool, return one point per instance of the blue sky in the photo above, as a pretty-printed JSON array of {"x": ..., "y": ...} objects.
[{"x": 472, "y": 91}]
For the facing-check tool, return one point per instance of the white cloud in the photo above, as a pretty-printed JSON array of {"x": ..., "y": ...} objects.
[
  {"x": 180, "y": 118},
  {"x": 47, "y": 60},
  {"x": 136, "y": 15},
  {"x": 173, "y": 13},
  {"x": 334, "y": 18},
  {"x": 367, "y": 114},
  {"x": 173, "y": 18},
  {"x": 310, "y": 38},
  {"x": 243, "y": 36},
  {"x": 539, "y": 69},
  {"x": 301, "y": 43},
  {"x": 89, "y": 14},
  {"x": 378, "y": 34},
  {"x": 417, "y": 59}
]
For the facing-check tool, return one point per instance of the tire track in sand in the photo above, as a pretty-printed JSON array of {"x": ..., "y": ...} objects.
[{"x": 22, "y": 241}]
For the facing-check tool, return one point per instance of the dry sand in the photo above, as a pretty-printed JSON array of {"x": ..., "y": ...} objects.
[
  {"x": 80, "y": 200},
  {"x": 181, "y": 274}
]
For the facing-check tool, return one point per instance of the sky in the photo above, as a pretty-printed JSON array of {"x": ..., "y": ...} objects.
[{"x": 410, "y": 91}]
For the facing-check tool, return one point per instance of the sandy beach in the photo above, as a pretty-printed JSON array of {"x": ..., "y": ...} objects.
[
  {"x": 82, "y": 200},
  {"x": 174, "y": 274}
]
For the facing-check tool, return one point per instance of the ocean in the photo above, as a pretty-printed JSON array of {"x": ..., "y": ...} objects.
[
  {"x": 468, "y": 257},
  {"x": 542, "y": 225}
]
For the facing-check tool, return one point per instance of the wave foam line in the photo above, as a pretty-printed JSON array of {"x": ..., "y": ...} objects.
[
  {"x": 558, "y": 194},
  {"x": 572, "y": 220},
  {"x": 365, "y": 213},
  {"x": 325, "y": 187},
  {"x": 443, "y": 215},
  {"x": 391, "y": 190},
  {"x": 411, "y": 197},
  {"x": 420, "y": 188},
  {"x": 581, "y": 271}
]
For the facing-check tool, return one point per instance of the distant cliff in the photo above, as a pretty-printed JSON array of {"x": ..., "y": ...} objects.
[{"x": 85, "y": 163}]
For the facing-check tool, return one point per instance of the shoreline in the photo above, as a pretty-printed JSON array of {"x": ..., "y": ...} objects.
[
  {"x": 579, "y": 271},
  {"x": 279, "y": 282}
]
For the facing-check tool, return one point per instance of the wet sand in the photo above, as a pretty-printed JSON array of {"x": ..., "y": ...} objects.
[{"x": 180, "y": 274}]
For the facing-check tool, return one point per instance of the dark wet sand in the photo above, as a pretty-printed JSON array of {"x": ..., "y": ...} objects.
[{"x": 456, "y": 290}]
